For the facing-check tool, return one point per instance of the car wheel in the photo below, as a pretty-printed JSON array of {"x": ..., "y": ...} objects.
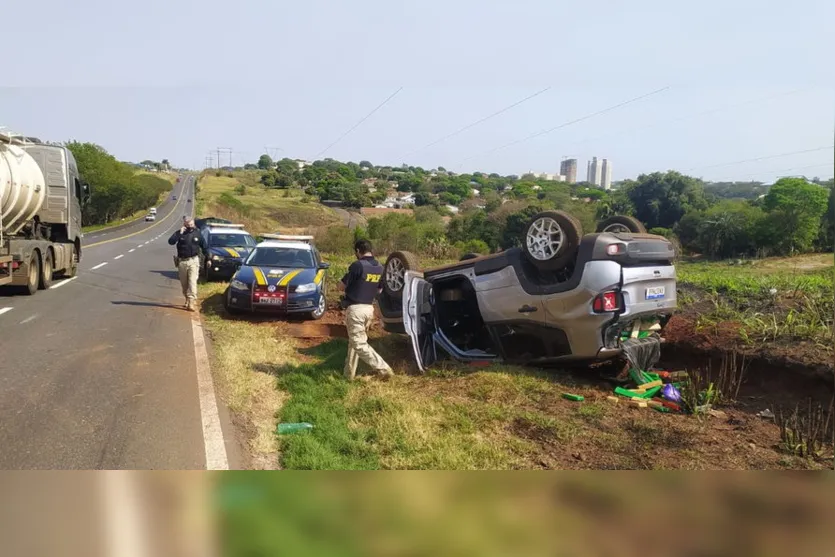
[
  {"x": 467, "y": 256},
  {"x": 320, "y": 310},
  {"x": 394, "y": 271},
  {"x": 34, "y": 275},
  {"x": 621, "y": 224},
  {"x": 551, "y": 239},
  {"x": 45, "y": 280},
  {"x": 227, "y": 304}
]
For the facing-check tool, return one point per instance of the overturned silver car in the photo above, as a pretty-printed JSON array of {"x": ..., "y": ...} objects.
[{"x": 564, "y": 296}]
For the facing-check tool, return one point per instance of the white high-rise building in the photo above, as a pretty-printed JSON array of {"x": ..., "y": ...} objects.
[
  {"x": 606, "y": 175},
  {"x": 593, "y": 172}
]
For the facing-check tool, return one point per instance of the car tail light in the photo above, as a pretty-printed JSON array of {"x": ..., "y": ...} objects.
[
  {"x": 606, "y": 302},
  {"x": 615, "y": 249}
]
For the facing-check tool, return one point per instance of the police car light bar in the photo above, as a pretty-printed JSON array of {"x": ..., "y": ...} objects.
[
  {"x": 287, "y": 238},
  {"x": 223, "y": 225}
]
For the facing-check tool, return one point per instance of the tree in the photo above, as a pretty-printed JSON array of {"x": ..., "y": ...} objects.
[
  {"x": 795, "y": 208},
  {"x": 166, "y": 164},
  {"x": 661, "y": 199},
  {"x": 409, "y": 182},
  {"x": 265, "y": 162},
  {"x": 366, "y": 164},
  {"x": 268, "y": 179},
  {"x": 727, "y": 229}
]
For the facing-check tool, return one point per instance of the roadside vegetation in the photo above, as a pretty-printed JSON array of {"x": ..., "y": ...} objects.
[
  {"x": 460, "y": 417},
  {"x": 119, "y": 192}
]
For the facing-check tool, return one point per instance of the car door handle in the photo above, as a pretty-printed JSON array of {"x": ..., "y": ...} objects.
[{"x": 527, "y": 309}]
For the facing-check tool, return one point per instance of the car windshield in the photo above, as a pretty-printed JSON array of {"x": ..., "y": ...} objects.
[
  {"x": 232, "y": 240},
  {"x": 281, "y": 257}
]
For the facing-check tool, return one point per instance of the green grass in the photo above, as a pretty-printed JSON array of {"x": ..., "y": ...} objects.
[{"x": 772, "y": 300}]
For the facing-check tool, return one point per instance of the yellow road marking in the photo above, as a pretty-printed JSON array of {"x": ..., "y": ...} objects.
[
  {"x": 288, "y": 277},
  {"x": 168, "y": 216},
  {"x": 259, "y": 276}
]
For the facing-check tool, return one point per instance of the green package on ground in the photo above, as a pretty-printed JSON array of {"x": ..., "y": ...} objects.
[
  {"x": 650, "y": 392},
  {"x": 625, "y": 392},
  {"x": 570, "y": 396},
  {"x": 293, "y": 427}
]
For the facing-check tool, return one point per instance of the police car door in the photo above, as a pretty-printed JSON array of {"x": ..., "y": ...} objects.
[{"x": 419, "y": 318}]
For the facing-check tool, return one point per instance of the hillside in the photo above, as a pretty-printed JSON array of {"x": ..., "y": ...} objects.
[{"x": 241, "y": 198}]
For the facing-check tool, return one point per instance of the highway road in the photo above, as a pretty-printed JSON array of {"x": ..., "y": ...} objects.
[{"x": 107, "y": 370}]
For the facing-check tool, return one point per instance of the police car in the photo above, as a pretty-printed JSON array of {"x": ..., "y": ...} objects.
[
  {"x": 283, "y": 274},
  {"x": 229, "y": 245}
]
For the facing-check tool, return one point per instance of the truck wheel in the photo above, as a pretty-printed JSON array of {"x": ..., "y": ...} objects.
[
  {"x": 46, "y": 271},
  {"x": 621, "y": 224},
  {"x": 552, "y": 239},
  {"x": 394, "y": 271},
  {"x": 73, "y": 268},
  {"x": 34, "y": 274}
]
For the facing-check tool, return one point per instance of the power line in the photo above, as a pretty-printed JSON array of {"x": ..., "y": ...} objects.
[
  {"x": 763, "y": 158},
  {"x": 569, "y": 123},
  {"x": 691, "y": 116},
  {"x": 355, "y": 126},
  {"x": 477, "y": 122}
]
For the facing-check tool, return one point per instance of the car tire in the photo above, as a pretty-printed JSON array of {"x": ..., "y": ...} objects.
[
  {"x": 33, "y": 275},
  {"x": 551, "y": 240},
  {"x": 227, "y": 306},
  {"x": 621, "y": 224},
  {"x": 396, "y": 265},
  {"x": 470, "y": 255},
  {"x": 320, "y": 312},
  {"x": 47, "y": 270}
]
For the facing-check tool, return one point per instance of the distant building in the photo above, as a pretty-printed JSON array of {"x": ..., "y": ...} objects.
[
  {"x": 606, "y": 175},
  {"x": 593, "y": 171},
  {"x": 568, "y": 168}
]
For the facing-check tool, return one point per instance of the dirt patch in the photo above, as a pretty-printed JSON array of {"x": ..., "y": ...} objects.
[
  {"x": 686, "y": 338},
  {"x": 315, "y": 331}
]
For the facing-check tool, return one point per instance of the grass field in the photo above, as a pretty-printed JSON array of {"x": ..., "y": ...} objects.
[
  {"x": 242, "y": 199},
  {"x": 496, "y": 417},
  {"x": 778, "y": 304}
]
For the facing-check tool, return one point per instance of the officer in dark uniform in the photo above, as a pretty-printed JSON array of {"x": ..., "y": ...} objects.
[
  {"x": 362, "y": 283},
  {"x": 190, "y": 244}
]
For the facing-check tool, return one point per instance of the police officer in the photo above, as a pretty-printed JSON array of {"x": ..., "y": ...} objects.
[
  {"x": 361, "y": 284},
  {"x": 190, "y": 244}
]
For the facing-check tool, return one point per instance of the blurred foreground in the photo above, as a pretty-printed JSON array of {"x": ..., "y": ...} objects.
[{"x": 253, "y": 514}]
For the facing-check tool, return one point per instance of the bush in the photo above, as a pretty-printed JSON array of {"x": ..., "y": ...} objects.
[
  {"x": 334, "y": 239},
  {"x": 240, "y": 189},
  {"x": 661, "y": 231},
  {"x": 472, "y": 246}
]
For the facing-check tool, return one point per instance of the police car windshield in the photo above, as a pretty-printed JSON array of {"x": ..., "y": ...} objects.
[
  {"x": 232, "y": 240},
  {"x": 281, "y": 257}
]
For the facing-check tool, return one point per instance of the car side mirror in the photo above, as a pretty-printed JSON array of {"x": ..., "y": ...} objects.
[{"x": 323, "y": 265}]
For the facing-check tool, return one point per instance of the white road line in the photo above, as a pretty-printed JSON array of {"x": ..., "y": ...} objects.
[
  {"x": 131, "y": 250},
  {"x": 4, "y": 310},
  {"x": 62, "y": 283},
  {"x": 139, "y": 246},
  {"x": 119, "y": 256},
  {"x": 28, "y": 319},
  {"x": 212, "y": 433},
  {"x": 99, "y": 266}
]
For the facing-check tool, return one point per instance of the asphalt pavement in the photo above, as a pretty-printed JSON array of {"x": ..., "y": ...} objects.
[{"x": 101, "y": 371}]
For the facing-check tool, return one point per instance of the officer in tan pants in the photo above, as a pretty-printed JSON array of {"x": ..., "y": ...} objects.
[
  {"x": 190, "y": 243},
  {"x": 361, "y": 284}
]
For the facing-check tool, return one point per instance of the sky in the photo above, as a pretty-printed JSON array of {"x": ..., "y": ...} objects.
[{"x": 717, "y": 83}]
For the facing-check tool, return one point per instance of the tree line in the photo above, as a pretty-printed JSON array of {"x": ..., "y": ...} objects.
[
  {"x": 116, "y": 189},
  {"x": 721, "y": 219}
]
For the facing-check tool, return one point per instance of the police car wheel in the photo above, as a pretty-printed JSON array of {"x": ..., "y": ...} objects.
[
  {"x": 230, "y": 309},
  {"x": 320, "y": 310}
]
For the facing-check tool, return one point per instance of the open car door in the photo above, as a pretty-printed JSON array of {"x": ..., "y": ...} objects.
[{"x": 419, "y": 318}]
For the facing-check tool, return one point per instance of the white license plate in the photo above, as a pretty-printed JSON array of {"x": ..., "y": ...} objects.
[
  {"x": 270, "y": 301},
  {"x": 655, "y": 293}
]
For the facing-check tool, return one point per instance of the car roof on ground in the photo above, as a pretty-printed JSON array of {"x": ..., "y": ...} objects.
[{"x": 286, "y": 245}]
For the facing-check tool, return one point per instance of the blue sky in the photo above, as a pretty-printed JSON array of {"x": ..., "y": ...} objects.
[{"x": 177, "y": 79}]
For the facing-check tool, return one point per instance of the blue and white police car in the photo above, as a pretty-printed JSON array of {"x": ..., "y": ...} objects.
[{"x": 283, "y": 274}]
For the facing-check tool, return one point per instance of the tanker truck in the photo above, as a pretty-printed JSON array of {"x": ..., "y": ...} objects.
[{"x": 41, "y": 195}]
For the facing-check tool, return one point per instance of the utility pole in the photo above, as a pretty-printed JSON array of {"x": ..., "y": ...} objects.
[{"x": 219, "y": 149}]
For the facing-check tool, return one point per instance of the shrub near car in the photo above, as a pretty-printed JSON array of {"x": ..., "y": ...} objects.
[
  {"x": 229, "y": 245},
  {"x": 563, "y": 296},
  {"x": 283, "y": 274}
]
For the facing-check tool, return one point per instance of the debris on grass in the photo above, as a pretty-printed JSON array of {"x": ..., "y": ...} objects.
[
  {"x": 293, "y": 427},
  {"x": 576, "y": 398}
]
